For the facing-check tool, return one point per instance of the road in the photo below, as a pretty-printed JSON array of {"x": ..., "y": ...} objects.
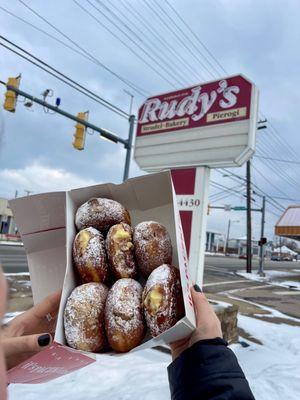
[
  {"x": 221, "y": 280},
  {"x": 13, "y": 258},
  {"x": 235, "y": 264}
]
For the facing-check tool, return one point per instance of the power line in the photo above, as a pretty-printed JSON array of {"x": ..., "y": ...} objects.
[
  {"x": 75, "y": 85},
  {"x": 158, "y": 4},
  {"x": 286, "y": 198},
  {"x": 167, "y": 46},
  {"x": 286, "y": 177},
  {"x": 216, "y": 184},
  {"x": 278, "y": 159},
  {"x": 287, "y": 173},
  {"x": 153, "y": 49},
  {"x": 275, "y": 203},
  {"x": 283, "y": 144},
  {"x": 267, "y": 180},
  {"x": 170, "y": 28},
  {"x": 196, "y": 37},
  {"x": 123, "y": 42},
  {"x": 270, "y": 143},
  {"x": 42, "y": 31},
  {"x": 275, "y": 133},
  {"x": 86, "y": 54},
  {"x": 214, "y": 195}
]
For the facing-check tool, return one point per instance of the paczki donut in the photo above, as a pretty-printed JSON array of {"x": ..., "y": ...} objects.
[
  {"x": 84, "y": 317},
  {"x": 101, "y": 213},
  {"x": 89, "y": 256},
  {"x": 119, "y": 249},
  {"x": 124, "y": 322},
  {"x": 152, "y": 246},
  {"x": 162, "y": 299}
]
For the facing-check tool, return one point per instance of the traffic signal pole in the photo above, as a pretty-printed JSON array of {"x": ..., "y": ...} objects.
[{"x": 103, "y": 132}]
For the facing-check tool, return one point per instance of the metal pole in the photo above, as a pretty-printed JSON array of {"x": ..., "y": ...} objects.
[
  {"x": 280, "y": 244},
  {"x": 261, "y": 260},
  {"x": 128, "y": 148},
  {"x": 103, "y": 132},
  {"x": 249, "y": 238},
  {"x": 227, "y": 238}
]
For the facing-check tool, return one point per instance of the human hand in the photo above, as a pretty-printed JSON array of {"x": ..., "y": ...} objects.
[
  {"x": 30, "y": 332},
  {"x": 208, "y": 325}
]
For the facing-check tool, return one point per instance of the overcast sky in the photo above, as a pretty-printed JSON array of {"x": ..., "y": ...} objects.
[{"x": 259, "y": 38}]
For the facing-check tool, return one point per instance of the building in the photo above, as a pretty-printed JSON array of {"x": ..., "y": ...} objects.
[
  {"x": 288, "y": 224},
  {"x": 214, "y": 242},
  {"x": 8, "y": 229}
]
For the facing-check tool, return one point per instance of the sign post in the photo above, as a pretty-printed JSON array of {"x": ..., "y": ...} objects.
[
  {"x": 190, "y": 131},
  {"x": 192, "y": 188}
]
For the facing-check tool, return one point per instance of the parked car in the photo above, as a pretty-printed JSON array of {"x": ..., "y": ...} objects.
[
  {"x": 275, "y": 258},
  {"x": 243, "y": 257}
]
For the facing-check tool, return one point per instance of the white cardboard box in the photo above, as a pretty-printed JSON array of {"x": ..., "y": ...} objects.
[{"x": 46, "y": 223}]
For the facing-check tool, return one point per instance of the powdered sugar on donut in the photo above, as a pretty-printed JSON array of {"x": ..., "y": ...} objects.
[
  {"x": 89, "y": 255},
  {"x": 153, "y": 246},
  {"x": 165, "y": 281},
  {"x": 84, "y": 317},
  {"x": 100, "y": 213},
  {"x": 123, "y": 314}
]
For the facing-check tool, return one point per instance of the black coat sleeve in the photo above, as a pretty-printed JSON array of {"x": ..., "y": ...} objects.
[{"x": 208, "y": 370}]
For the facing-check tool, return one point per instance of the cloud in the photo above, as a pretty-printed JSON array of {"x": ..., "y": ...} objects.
[
  {"x": 246, "y": 39},
  {"x": 40, "y": 178}
]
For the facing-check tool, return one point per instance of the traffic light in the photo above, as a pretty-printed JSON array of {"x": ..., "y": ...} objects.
[
  {"x": 262, "y": 241},
  {"x": 79, "y": 136},
  {"x": 10, "y": 101}
]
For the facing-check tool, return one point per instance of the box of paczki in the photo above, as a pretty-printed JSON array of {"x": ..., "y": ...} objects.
[{"x": 47, "y": 224}]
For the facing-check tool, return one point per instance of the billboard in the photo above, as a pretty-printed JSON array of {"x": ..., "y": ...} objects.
[{"x": 211, "y": 124}]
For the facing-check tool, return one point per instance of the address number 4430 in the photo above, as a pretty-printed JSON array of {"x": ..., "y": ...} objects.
[{"x": 188, "y": 202}]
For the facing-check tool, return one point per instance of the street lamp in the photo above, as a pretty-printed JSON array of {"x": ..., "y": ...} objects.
[{"x": 228, "y": 231}]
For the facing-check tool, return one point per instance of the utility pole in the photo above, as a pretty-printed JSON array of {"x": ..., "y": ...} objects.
[
  {"x": 261, "y": 260},
  {"x": 227, "y": 237},
  {"x": 129, "y": 147},
  {"x": 249, "y": 233},
  {"x": 280, "y": 244}
]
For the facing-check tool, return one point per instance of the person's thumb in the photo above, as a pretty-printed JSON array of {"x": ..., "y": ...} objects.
[
  {"x": 201, "y": 304},
  {"x": 26, "y": 344}
]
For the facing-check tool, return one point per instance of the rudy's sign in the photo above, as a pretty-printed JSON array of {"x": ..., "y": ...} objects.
[{"x": 211, "y": 124}]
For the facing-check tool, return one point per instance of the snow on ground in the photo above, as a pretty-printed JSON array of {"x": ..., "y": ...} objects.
[
  {"x": 272, "y": 277},
  {"x": 272, "y": 369},
  {"x": 140, "y": 375}
]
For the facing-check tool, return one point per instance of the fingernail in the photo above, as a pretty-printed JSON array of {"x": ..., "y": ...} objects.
[
  {"x": 44, "y": 340},
  {"x": 197, "y": 288}
]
